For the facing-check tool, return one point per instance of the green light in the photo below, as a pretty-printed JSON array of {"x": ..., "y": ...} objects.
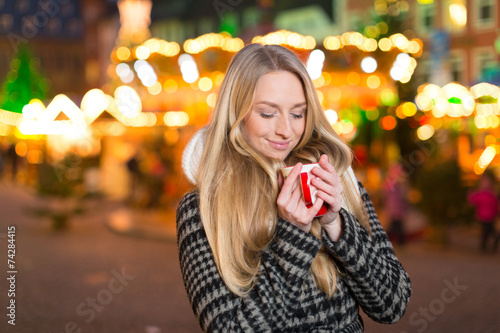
[
  {"x": 23, "y": 83},
  {"x": 487, "y": 100},
  {"x": 14, "y": 64},
  {"x": 389, "y": 98},
  {"x": 372, "y": 115},
  {"x": 356, "y": 119},
  {"x": 345, "y": 114}
]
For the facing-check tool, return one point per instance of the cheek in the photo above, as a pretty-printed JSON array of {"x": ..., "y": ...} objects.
[
  {"x": 253, "y": 129},
  {"x": 299, "y": 129},
  {"x": 260, "y": 128}
]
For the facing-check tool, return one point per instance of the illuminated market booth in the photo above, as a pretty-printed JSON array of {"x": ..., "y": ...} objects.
[
  {"x": 155, "y": 91},
  {"x": 159, "y": 93}
]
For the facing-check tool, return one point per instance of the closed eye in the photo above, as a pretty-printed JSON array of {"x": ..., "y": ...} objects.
[
  {"x": 266, "y": 116},
  {"x": 298, "y": 115}
]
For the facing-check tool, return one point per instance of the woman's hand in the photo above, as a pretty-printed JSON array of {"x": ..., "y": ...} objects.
[
  {"x": 291, "y": 206},
  {"x": 330, "y": 189}
]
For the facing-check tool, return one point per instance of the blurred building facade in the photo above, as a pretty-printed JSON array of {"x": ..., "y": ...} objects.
[
  {"x": 462, "y": 39},
  {"x": 459, "y": 35},
  {"x": 181, "y": 20},
  {"x": 63, "y": 35}
]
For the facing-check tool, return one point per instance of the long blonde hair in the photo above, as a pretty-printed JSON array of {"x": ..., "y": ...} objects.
[{"x": 238, "y": 186}]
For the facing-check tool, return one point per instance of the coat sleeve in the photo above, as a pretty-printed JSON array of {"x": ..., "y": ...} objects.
[
  {"x": 370, "y": 267},
  {"x": 285, "y": 265}
]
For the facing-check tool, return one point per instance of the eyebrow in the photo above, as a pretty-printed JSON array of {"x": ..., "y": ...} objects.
[{"x": 277, "y": 106}]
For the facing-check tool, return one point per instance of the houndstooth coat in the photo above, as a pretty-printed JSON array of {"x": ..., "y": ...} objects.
[{"x": 285, "y": 297}]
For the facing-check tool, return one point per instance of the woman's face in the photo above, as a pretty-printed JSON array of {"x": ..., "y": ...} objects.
[{"x": 276, "y": 120}]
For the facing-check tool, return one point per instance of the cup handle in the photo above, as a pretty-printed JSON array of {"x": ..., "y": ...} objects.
[{"x": 306, "y": 189}]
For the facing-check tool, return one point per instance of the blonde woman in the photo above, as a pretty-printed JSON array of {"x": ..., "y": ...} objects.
[{"x": 253, "y": 256}]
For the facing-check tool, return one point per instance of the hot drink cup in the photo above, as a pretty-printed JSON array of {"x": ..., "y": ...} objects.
[{"x": 309, "y": 192}]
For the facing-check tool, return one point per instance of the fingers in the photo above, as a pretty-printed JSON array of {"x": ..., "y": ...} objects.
[
  {"x": 287, "y": 186},
  {"x": 302, "y": 215},
  {"x": 317, "y": 206},
  {"x": 328, "y": 184},
  {"x": 291, "y": 205},
  {"x": 323, "y": 162},
  {"x": 325, "y": 192},
  {"x": 334, "y": 202},
  {"x": 294, "y": 200},
  {"x": 322, "y": 185},
  {"x": 292, "y": 177},
  {"x": 326, "y": 171}
]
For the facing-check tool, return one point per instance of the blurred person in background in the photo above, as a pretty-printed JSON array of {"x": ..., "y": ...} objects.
[
  {"x": 13, "y": 160},
  {"x": 253, "y": 256},
  {"x": 486, "y": 202},
  {"x": 396, "y": 203},
  {"x": 157, "y": 174},
  {"x": 135, "y": 174}
]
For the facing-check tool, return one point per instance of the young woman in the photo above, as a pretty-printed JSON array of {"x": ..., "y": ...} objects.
[{"x": 253, "y": 256}]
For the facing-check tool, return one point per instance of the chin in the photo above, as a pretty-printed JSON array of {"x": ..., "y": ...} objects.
[{"x": 278, "y": 156}]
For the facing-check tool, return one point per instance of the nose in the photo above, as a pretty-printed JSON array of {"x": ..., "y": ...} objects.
[{"x": 283, "y": 128}]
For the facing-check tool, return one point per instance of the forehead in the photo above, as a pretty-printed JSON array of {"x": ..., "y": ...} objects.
[{"x": 282, "y": 88}]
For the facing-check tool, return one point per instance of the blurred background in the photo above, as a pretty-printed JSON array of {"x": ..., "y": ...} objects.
[{"x": 99, "y": 99}]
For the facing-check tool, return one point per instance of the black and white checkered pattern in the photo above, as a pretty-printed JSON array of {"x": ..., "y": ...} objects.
[{"x": 285, "y": 297}]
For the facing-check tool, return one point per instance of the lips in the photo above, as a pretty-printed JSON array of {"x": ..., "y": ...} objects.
[{"x": 281, "y": 145}]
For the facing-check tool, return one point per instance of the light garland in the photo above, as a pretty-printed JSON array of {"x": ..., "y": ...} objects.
[
  {"x": 485, "y": 159},
  {"x": 213, "y": 40},
  {"x": 452, "y": 100},
  {"x": 162, "y": 47},
  {"x": 455, "y": 100},
  {"x": 397, "y": 41},
  {"x": 40, "y": 120},
  {"x": 145, "y": 50},
  {"x": 402, "y": 69},
  {"x": 287, "y": 38},
  {"x": 10, "y": 118}
]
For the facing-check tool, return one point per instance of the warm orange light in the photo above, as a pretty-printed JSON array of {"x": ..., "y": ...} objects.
[
  {"x": 123, "y": 53},
  {"x": 34, "y": 157},
  {"x": 424, "y": 120},
  {"x": 353, "y": 78},
  {"x": 425, "y": 132},
  {"x": 409, "y": 109},
  {"x": 489, "y": 140},
  {"x": 334, "y": 94},
  {"x": 170, "y": 86},
  {"x": 321, "y": 97},
  {"x": 205, "y": 84},
  {"x": 211, "y": 100},
  {"x": 21, "y": 149},
  {"x": 388, "y": 123},
  {"x": 332, "y": 43},
  {"x": 319, "y": 82},
  {"x": 385, "y": 44},
  {"x": 373, "y": 81}
]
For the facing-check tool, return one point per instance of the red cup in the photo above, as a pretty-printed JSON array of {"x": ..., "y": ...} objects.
[{"x": 309, "y": 192}]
